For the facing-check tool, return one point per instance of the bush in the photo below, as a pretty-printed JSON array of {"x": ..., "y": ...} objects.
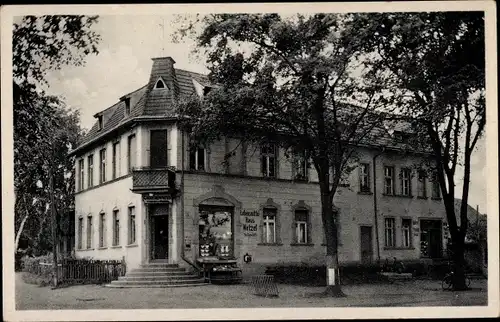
[
  {"x": 37, "y": 270},
  {"x": 350, "y": 273}
]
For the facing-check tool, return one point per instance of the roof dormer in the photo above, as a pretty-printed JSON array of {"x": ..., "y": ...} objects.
[
  {"x": 99, "y": 122},
  {"x": 160, "y": 84}
]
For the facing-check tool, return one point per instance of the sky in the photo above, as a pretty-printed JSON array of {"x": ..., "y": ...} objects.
[{"x": 124, "y": 62}]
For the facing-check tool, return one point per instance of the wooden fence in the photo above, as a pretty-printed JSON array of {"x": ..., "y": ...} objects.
[{"x": 78, "y": 271}]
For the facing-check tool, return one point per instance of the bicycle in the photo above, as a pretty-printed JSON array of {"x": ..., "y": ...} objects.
[{"x": 447, "y": 283}]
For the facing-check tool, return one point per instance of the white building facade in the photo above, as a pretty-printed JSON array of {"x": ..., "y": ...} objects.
[{"x": 144, "y": 195}]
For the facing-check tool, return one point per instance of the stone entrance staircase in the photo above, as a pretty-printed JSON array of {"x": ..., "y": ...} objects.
[{"x": 158, "y": 275}]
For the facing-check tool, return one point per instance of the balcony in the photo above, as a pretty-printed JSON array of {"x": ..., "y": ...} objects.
[{"x": 149, "y": 180}]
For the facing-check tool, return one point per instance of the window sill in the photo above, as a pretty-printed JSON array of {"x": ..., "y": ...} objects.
[
  {"x": 85, "y": 249},
  {"x": 434, "y": 198},
  {"x": 399, "y": 248},
  {"x": 103, "y": 247},
  {"x": 131, "y": 245},
  {"x": 299, "y": 244},
  {"x": 424, "y": 198},
  {"x": 323, "y": 244},
  {"x": 116, "y": 246},
  {"x": 365, "y": 193},
  {"x": 269, "y": 244}
]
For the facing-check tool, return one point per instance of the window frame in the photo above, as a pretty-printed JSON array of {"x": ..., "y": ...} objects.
[
  {"x": 266, "y": 220},
  {"x": 391, "y": 177},
  {"x": 265, "y": 160},
  {"x": 81, "y": 175},
  {"x": 102, "y": 165},
  {"x": 80, "y": 233},
  {"x": 302, "y": 223},
  {"x": 131, "y": 155},
  {"x": 102, "y": 229},
  {"x": 196, "y": 153},
  {"x": 90, "y": 170},
  {"x": 392, "y": 232},
  {"x": 406, "y": 243},
  {"x": 436, "y": 188},
  {"x": 115, "y": 159},
  {"x": 116, "y": 227},
  {"x": 90, "y": 230},
  {"x": 364, "y": 176},
  {"x": 300, "y": 166},
  {"x": 132, "y": 226},
  {"x": 421, "y": 184},
  {"x": 406, "y": 178}
]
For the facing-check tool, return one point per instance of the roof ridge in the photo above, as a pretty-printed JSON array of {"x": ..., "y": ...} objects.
[{"x": 185, "y": 70}]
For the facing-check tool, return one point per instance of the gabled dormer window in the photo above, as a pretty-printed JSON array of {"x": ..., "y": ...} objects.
[
  {"x": 127, "y": 106},
  {"x": 160, "y": 84},
  {"x": 99, "y": 122}
]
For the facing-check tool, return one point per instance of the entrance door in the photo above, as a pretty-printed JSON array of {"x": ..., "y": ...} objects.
[
  {"x": 159, "y": 232},
  {"x": 158, "y": 149},
  {"x": 366, "y": 245},
  {"x": 431, "y": 241}
]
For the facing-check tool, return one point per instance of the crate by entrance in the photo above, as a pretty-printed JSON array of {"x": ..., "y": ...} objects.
[{"x": 265, "y": 285}]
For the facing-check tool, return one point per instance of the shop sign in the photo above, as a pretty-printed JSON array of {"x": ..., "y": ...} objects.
[{"x": 250, "y": 225}]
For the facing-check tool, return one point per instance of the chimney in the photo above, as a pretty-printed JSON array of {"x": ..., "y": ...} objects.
[{"x": 163, "y": 67}]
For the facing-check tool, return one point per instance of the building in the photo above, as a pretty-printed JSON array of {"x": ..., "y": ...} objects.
[{"x": 143, "y": 194}]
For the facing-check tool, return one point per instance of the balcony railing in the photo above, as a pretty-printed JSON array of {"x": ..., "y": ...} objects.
[{"x": 153, "y": 179}]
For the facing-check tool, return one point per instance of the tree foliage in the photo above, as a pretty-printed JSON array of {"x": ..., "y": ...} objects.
[
  {"x": 437, "y": 61},
  {"x": 298, "y": 81},
  {"x": 44, "y": 128}
]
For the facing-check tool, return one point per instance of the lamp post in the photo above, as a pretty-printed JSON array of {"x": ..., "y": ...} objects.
[{"x": 54, "y": 219}]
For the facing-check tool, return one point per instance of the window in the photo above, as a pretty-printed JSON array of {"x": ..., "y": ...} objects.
[
  {"x": 90, "y": 171},
  {"x": 300, "y": 166},
  {"x": 364, "y": 177},
  {"x": 389, "y": 180},
  {"x": 116, "y": 160},
  {"x": 268, "y": 160},
  {"x": 127, "y": 106},
  {"x": 80, "y": 233},
  {"x": 81, "y": 175},
  {"x": 301, "y": 231},
  {"x": 160, "y": 84},
  {"x": 131, "y": 152},
  {"x": 89, "y": 232},
  {"x": 390, "y": 236},
  {"x": 436, "y": 189},
  {"x": 102, "y": 229},
  {"x": 131, "y": 225},
  {"x": 102, "y": 166},
  {"x": 116, "y": 228},
  {"x": 406, "y": 182},
  {"x": 422, "y": 184},
  {"x": 406, "y": 230},
  {"x": 269, "y": 226},
  {"x": 215, "y": 231},
  {"x": 197, "y": 159},
  {"x": 99, "y": 122}
]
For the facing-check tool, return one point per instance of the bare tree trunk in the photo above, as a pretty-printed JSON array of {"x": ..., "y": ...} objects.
[
  {"x": 333, "y": 287},
  {"x": 19, "y": 232}
]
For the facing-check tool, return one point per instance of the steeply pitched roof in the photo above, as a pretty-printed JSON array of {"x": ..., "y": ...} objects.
[{"x": 147, "y": 101}]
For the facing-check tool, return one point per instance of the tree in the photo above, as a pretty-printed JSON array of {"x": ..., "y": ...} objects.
[
  {"x": 290, "y": 80},
  {"x": 44, "y": 128},
  {"x": 437, "y": 63}
]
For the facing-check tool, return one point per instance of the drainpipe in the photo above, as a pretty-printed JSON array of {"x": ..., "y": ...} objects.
[
  {"x": 375, "y": 210},
  {"x": 183, "y": 254}
]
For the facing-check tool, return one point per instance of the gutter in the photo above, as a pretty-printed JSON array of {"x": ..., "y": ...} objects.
[
  {"x": 375, "y": 210},
  {"x": 183, "y": 254}
]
